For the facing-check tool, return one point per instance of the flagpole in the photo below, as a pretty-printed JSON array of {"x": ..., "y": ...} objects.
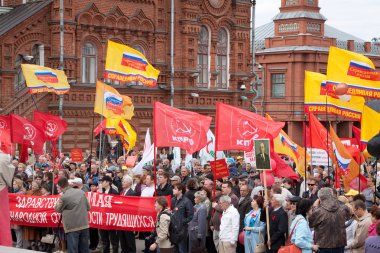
[
  {"x": 374, "y": 195},
  {"x": 360, "y": 164},
  {"x": 34, "y": 102},
  {"x": 215, "y": 151},
  {"x": 101, "y": 132},
  {"x": 266, "y": 208},
  {"x": 327, "y": 140},
  {"x": 311, "y": 147},
  {"x": 61, "y": 63},
  {"x": 304, "y": 144},
  {"x": 92, "y": 139},
  {"x": 154, "y": 150}
]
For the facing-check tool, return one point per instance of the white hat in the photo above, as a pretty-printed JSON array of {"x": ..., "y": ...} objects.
[{"x": 75, "y": 181}]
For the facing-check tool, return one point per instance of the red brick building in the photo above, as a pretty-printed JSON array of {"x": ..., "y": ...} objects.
[
  {"x": 212, "y": 56},
  {"x": 297, "y": 40}
]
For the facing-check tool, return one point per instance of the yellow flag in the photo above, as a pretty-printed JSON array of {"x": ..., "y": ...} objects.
[
  {"x": 126, "y": 132},
  {"x": 43, "y": 79},
  {"x": 110, "y": 126},
  {"x": 284, "y": 145},
  {"x": 356, "y": 70},
  {"x": 370, "y": 124},
  {"x": 126, "y": 64},
  {"x": 111, "y": 104},
  {"x": 315, "y": 99}
]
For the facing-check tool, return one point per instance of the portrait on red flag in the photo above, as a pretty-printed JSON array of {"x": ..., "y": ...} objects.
[
  {"x": 178, "y": 128},
  {"x": 262, "y": 156}
]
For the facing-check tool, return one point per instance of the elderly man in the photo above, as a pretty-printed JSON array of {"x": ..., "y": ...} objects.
[
  {"x": 185, "y": 175},
  {"x": 278, "y": 221},
  {"x": 229, "y": 226},
  {"x": 127, "y": 238},
  {"x": 328, "y": 220},
  {"x": 216, "y": 217}
]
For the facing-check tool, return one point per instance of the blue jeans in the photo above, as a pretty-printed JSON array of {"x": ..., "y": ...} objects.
[
  {"x": 181, "y": 247},
  {"x": 77, "y": 242}
]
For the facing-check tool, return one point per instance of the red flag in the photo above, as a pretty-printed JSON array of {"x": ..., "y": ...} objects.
[
  {"x": 6, "y": 237},
  {"x": 237, "y": 128},
  {"x": 282, "y": 168},
  {"x": 354, "y": 184},
  {"x": 100, "y": 127},
  {"x": 179, "y": 128},
  {"x": 26, "y": 133},
  {"x": 52, "y": 126},
  {"x": 318, "y": 134},
  {"x": 357, "y": 133},
  {"x": 5, "y": 122},
  {"x": 5, "y": 141}
]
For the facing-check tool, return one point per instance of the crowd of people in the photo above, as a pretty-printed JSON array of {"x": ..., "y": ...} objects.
[{"x": 224, "y": 215}]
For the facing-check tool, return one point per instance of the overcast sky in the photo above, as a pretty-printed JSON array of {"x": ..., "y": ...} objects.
[{"x": 357, "y": 17}]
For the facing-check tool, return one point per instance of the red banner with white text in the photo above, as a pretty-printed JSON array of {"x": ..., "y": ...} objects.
[{"x": 110, "y": 212}]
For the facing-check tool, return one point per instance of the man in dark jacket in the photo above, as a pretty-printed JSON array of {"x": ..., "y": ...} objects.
[
  {"x": 313, "y": 190},
  {"x": 244, "y": 207},
  {"x": 328, "y": 220},
  {"x": 127, "y": 238},
  {"x": 183, "y": 210},
  {"x": 164, "y": 188},
  {"x": 278, "y": 221},
  {"x": 109, "y": 235}
]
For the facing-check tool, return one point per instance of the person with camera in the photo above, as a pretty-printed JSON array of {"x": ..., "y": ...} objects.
[{"x": 161, "y": 238}]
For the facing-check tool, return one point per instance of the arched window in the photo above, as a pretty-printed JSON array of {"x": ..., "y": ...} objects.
[
  {"x": 19, "y": 77},
  {"x": 203, "y": 57},
  {"x": 139, "y": 48},
  {"x": 222, "y": 51},
  {"x": 38, "y": 53},
  {"x": 89, "y": 63}
]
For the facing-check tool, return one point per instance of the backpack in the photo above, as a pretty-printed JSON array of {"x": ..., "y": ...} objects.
[{"x": 177, "y": 233}]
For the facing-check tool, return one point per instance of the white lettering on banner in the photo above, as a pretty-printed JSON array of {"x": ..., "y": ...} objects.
[
  {"x": 100, "y": 200},
  {"x": 128, "y": 220},
  {"x": 55, "y": 217},
  {"x": 33, "y": 202},
  {"x": 245, "y": 143},
  {"x": 183, "y": 139},
  {"x": 29, "y": 217},
  {"x": 95, "y": 218}
]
